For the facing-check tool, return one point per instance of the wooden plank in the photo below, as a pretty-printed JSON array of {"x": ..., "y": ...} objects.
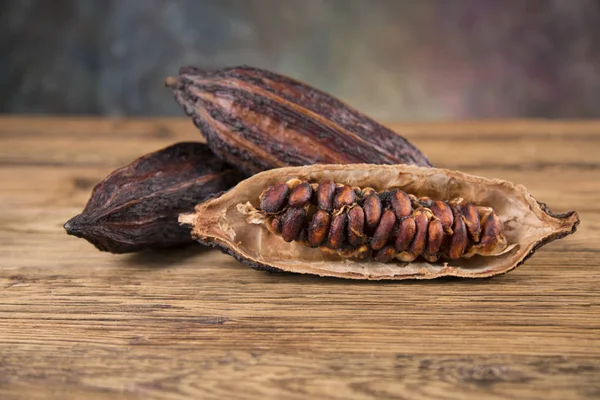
[{"x": 192, "y": 322}]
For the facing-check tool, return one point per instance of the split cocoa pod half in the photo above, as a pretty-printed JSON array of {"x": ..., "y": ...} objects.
[
  {"x": 366, "y": 221},
  {"x": 258, "y": 120}
]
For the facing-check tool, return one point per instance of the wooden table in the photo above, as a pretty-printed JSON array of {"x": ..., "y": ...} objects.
[{"x": 78, "y": 323}]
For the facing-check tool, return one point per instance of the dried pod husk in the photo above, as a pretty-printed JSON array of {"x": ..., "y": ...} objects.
[
  {"x": 136, "y": 207},
  {"x": 249, "y": 117},
  {"x": 232, "y": 223}
]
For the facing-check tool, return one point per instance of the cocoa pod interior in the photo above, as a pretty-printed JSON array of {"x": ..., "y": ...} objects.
[
  {"x": 230, "y": 223},
  {"x": 418, "y": 227}
]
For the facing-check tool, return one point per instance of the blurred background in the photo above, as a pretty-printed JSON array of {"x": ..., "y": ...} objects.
[{"x": 395, "y": 60}]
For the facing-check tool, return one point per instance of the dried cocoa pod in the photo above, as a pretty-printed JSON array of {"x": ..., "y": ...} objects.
[
  {"x": 249, "y": 117},
  {"x": 234, "y": 223},
  {"x": 136, "y": 207}
]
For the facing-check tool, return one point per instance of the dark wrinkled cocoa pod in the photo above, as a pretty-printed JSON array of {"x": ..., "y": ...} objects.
[
  {"x": 259, "y": 120},
  {"x": 514, "y": 225},
  {"x": 136, "y": 206}
]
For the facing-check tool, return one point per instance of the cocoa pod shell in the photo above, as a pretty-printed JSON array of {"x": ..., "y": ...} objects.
[
  {"x": 228, "y": 222},
  {"x": 136, "y": 207},
  {"x": 258, "y": 120}
]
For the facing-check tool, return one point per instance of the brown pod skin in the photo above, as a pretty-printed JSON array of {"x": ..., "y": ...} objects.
[
  {"x": 406, "y": 234},
  {"x": 384, "y": 230},
  {"x": 386, "y": 254},
  {"x": 337, "y": 231},
  {"x": 319, "y": 228},
  {"x": 417, "y": 247},
  {"x": 325, "y": 194},
  {"x": 490, "y": 232},
  {"x": 246, "y": 115},
  {"x": 274, "y": 198},
  {"x": 136, "y": 207},
  {"x": 443, "y": 212},
  {"x": 301, "y": 195},
  {"x": 344, "y": 196},
  {"x": 457, "y": 244},
  {"x": 356, "y": 224},
  {"x": 471, "y": 216},
  {"x": 373, "y": 210},
  {"x": 435, "y": 238},
  {"x": 400, "y": 203},
  {"x": 291, "y": 223}
]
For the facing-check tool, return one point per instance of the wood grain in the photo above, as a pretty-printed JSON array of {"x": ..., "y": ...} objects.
[{"x": 193, "y": 323}]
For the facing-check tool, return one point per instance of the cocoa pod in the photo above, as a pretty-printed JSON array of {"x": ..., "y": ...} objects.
[
  {"x": 136, "y": 206},
  {"x": 251, "y": 117},
  {"x": 515, "y": 225}
]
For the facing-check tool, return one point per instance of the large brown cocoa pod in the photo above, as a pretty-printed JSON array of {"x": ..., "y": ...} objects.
[
  {"x": 513, "y": 225},
  {"x": 258, "y": 120},
  {"x": 136, "y": 207}
]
